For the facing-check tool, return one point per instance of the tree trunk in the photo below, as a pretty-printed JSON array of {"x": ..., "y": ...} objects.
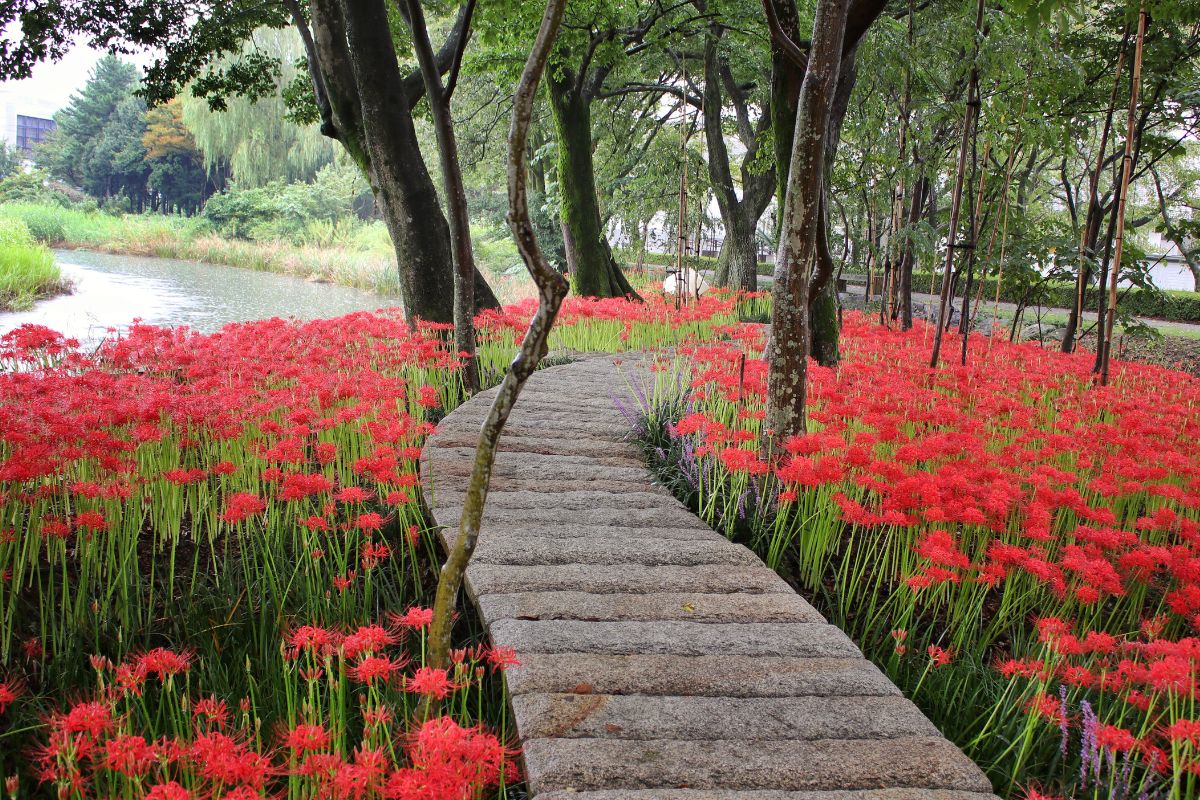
[
  {"x": 824, "y": 311},
  {"x": 787, "y": 355},
  {"x": 439, "y": 95},
  {"x": 741, "y": 252},
  {"x": 370, "y": 115},
  {"x": 1095, "y": 213},
  {"x": 552, "y": 288},
  {"x": 594, "y": 271},
  {"x": 737, "y": 266},
  {"x": 908, "y": 253},
  {"x": 826, "y": 330}
]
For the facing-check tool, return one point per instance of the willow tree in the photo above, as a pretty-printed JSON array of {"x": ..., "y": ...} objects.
[
  {"x": 253, "y": 137},
  {"x": 356, "y": 90}
]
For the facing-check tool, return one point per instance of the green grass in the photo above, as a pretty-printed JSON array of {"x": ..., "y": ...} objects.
[
  {"x": 357, "y": 260},
  {"x": 27, "y": 269}
]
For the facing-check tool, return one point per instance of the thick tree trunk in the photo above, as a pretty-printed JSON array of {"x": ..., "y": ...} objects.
[
  {"x": 438, "y": 95},
  {"x": 786, "y": 82},
  {"x": 740, "y": 252},
  {"x": 594, "y": 271},
  {"x": 787, "y": 356},
  {"x": 738, "y": 262},
  {"x": 370, "y": 114}
]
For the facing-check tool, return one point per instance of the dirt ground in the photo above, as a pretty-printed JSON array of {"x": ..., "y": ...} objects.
[{"x": 1177, "y": 352}]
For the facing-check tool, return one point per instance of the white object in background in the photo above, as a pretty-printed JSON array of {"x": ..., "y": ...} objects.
[{"x": 694, "y": 284}]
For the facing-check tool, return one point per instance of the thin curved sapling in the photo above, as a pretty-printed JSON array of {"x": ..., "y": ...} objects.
[{"x": 552, "y": 289}]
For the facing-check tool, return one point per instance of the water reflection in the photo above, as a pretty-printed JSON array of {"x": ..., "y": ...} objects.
[{"x": 113, "y": 291}]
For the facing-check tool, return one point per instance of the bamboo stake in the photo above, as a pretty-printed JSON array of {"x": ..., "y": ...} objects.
[
  {"x": 1093, "y": 200},
  {"x": 1126, "y": 171},
  {"x": 956, "y": 199}
]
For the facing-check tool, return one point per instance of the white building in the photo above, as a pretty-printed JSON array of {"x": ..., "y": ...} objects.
[{"x": 24, "y": 119}]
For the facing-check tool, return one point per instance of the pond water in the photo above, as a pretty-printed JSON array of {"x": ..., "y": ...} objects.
[{"x": 114, "y": 290}]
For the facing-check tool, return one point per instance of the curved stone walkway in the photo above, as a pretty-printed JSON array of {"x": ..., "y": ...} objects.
[{"x": 659, "y": 661}]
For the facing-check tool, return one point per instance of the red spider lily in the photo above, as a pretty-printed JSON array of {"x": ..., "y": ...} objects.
[
  {"x": 501, "y": 658},
  {"x": 446, "y": 758},
  {"x": 939, "y": 656},
  {"x": 430, "y": 682},
  {"x": 91, "y": 718},
  {"x": 368, "y": 639},
  {"x": 91, "y": 520},
  {"x": 427, "y": 397},
  {"x": 1033, "y": 794},
  {"x": 170, "y": 790},
  {"x": 10, "y": 690},
  {"x": 224, "y": 760},
  {"x": 373, "y": 554},
  {"x": 297, "y": 486},
  {"x": 313, "y": 639},
  {"x": 368, "y": 522},
  {"x": 241, "y": 506},
  {"x": 163, "y": 663},
  {"x": 371, "y": 669},
  {"x": 211, "y": 711},
  {"x": 415, "y": 617},
  {"x": 129, "y": 755},
  {"x": 353, "y": 494},
  {"x": 1115, "y": 739},
  {"x": 304, "y": 738}
]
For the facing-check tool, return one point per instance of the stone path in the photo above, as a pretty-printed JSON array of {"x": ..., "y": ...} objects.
[{"x": 659, "y": 661}]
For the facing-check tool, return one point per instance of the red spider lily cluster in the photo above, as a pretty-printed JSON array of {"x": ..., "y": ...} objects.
[
  {"x": 209, "y": 517},
  {"x": 351, "y": 730},
  {"x": 1009, "y": 514},
  {"x": 220, "y": 491}
]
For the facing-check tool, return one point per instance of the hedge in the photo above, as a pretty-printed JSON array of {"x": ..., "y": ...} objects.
[
  {"x": 1168, "y": 305},
  {"x": 630, "y": 259},
  {"x": 1171, "y": 306}
]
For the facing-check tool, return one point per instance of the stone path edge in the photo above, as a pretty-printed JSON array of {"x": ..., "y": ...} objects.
[{"x": 659, "y": 661}]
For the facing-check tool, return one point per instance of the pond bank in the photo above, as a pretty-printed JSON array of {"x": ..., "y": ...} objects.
[{"x": 112, "y": 291}]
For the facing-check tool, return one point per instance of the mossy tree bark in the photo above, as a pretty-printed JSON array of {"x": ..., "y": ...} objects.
[
  {"x": 787, "y": 354},
  {"x": 737, "y": 265},
  {"x": 788, "y": 74},
  {"x": 365, "y": 103},
  {"x": 594, "y": 270}
]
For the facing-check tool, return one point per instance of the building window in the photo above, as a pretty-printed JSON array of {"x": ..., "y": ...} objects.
[{"x": 31, "y": 131}]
